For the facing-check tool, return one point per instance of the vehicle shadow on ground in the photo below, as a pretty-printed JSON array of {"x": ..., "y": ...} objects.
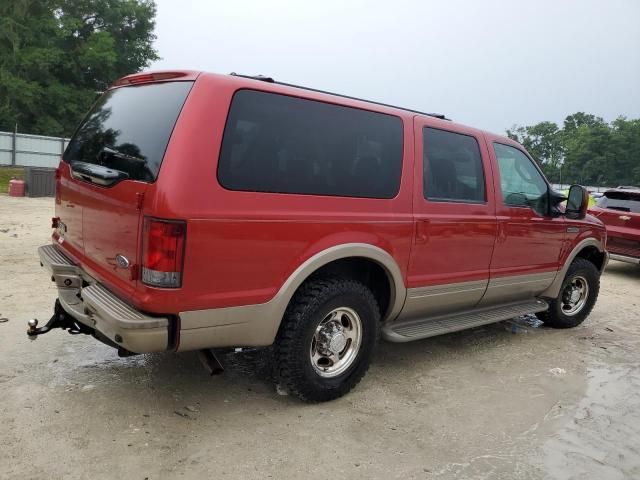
[{"x": 249, "y": 376}]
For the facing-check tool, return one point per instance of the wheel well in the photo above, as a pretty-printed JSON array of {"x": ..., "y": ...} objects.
[
  {"x": 364, "y": 270},
  {"x": 593, "y": 255}
]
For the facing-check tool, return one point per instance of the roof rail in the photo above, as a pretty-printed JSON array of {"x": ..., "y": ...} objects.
[{"x": 263, "y": 78}]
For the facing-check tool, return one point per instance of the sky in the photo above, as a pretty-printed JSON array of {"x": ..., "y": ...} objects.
[{"x": 489, "y": 64}]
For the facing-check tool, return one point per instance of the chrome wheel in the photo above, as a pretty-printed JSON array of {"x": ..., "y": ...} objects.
[
  {"x": 574, "y": 296},
  {"x": 336, "y": 342}
]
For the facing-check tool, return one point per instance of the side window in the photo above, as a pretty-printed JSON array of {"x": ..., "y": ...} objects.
[
  {"x": 621, "y": 201},
  {"x": 452, "y": 167},
  {"x": 521, "y": 183},
  {"x": 281, "y": 144}
]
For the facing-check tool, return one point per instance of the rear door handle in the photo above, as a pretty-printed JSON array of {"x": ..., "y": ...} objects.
[
  {"x": 573, "y": 229},
  {"x": 624, "y": 217}
]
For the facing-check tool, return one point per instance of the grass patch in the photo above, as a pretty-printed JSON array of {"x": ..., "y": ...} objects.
[{"x": 6, "y": 174}]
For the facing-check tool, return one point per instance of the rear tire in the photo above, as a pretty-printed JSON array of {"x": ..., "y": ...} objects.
[
  {"x": 578, "y": 295},
  {"x": 327, "y": 338}
]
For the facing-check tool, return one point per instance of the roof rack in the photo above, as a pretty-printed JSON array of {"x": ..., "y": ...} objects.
[{"x": 264, "y": 78}]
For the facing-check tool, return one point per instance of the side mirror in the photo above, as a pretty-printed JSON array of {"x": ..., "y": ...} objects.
[{"x": 577, "y": 203}]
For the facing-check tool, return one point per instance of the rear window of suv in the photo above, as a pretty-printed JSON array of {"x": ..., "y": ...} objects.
[
  {"x": 128, "y": 129},
  {"x": 622, "y": 201},
  {"x": 281, "y": 144}
]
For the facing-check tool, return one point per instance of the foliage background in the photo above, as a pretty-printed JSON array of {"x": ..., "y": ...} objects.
[
  {"x": 57, "y": 55},
  {"x": 585, "y": 149}
]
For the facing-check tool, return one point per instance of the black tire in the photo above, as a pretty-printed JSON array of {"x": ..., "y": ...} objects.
[
  {"x": 312, "y": 303},
  {"x": 556, "y": 317}
]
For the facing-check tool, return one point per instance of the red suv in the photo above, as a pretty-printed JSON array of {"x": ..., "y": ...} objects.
[
  {"x": 619, "y": 209},
  {"x": 198, "y": 211}
]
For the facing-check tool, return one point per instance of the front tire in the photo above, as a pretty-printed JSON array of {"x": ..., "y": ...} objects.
[
  {"x": 578, "y": 295},
  {"x": 326, "y": 339}
]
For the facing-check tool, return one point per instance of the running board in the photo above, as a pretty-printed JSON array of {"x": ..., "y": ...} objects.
[{"x": 432, "y": 326}]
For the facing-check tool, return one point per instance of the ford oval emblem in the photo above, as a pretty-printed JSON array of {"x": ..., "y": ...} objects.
[{"x": 122, "y": 261}]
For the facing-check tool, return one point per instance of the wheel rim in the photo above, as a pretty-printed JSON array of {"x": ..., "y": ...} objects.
[
  {"x": 336, "y": 342},
  {"x": 574, "y": 296}
]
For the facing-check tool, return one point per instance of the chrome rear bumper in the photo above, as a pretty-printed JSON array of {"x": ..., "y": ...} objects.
[{"x": 93, "y": 305}]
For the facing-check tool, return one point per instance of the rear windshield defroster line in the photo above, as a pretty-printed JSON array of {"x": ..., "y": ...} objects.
[{"x": 128, "y": 129}]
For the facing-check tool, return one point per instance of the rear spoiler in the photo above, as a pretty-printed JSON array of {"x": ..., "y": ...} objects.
[{"x": 150, "y": 77}]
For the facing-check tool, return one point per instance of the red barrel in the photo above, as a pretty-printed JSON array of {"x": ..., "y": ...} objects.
[{"x": 16, "y": 188}]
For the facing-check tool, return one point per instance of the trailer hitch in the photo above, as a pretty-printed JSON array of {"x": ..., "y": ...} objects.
[{"x": 59, "y": 319}]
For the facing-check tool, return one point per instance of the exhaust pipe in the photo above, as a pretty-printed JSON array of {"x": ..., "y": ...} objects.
[{"x": 210, "y": 361}]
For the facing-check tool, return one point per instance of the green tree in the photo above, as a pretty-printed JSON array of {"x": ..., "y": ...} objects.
[
  {"x": 586, "y": 149},
  {"x": 588, "y": 159},
  {"x": 625, "y": 148},
  {"x": 544, "y": 142},
  {"x": 56, "y": 55},
  {"x": 580, "y": 119}
]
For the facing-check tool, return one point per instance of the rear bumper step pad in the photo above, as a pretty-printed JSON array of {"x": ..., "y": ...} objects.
[{"x": 96, "y": 307}]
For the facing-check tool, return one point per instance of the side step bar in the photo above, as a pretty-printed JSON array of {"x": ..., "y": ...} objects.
[
  {"x": 430, "y": 327},
  {"x": 624, "y": 258}
]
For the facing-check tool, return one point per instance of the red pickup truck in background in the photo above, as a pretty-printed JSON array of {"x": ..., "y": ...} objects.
[{"x": 619, "y": 209}]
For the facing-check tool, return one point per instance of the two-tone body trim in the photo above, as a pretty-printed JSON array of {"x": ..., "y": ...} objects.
[
  {"x": 554, "y": 289},
  {"x": 425, "y": 302},
  {"x": 257, "y": 325},
  {"x": 517, "y": 287},
  {"x": 437, "y": 299}
]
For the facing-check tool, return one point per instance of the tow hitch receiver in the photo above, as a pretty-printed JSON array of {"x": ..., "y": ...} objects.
[{"x": 59, "y": 319}]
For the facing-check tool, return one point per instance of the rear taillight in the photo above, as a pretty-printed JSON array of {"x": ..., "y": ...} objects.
[
  {"x": 57, "y": 176},
  {"x": 163, "y": 245}
]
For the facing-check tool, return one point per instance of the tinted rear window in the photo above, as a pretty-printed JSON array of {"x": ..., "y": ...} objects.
[
  {"x": 281, "y": 144},
  {"x": 452, "y": 167},
  {"x": 623, "y": 201},
  {"x": 136, "y": 122}
]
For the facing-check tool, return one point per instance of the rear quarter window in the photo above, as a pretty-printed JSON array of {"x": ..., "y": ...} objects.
[
  {"x": 281, "y": 144},
  {"x": 128, "y": 129}
]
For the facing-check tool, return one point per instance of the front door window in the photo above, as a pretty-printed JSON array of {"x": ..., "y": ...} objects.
[{"x": 521, "y": 183}]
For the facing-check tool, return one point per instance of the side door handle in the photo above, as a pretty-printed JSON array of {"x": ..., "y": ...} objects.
[
  {"x": 624, "y": 217},
  {"x": 573, "y": 230}
]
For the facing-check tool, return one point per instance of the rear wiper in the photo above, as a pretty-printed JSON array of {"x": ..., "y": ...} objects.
[
  {"x": 112, "y": 152},
  {"x": 98, "y": 174}
]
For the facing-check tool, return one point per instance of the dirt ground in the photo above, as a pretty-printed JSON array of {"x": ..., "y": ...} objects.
[{"x": 484, "y": 403}]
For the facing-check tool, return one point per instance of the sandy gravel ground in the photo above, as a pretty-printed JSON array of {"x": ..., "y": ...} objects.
[{"x": 485, "y": 403}]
